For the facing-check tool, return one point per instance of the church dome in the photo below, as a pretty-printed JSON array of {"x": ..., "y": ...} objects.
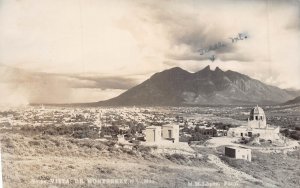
[{"x": 257, "y": 111}]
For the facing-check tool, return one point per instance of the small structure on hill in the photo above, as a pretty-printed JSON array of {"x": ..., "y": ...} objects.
[
  {"x": 170, "y": 132},
  {"x": 257, "y": 126},
  {"x": 238, "y": 153},
  {"x": 257, "y": 119},
  {"x": 153, "y": 134},
  {"x": 166, "y": 140},
  {"x": 166, "y": 133}
]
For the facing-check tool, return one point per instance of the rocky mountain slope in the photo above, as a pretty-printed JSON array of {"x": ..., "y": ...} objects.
[
  {"x": 293, "y": 101},
  {"x": 206, "y": 87}
]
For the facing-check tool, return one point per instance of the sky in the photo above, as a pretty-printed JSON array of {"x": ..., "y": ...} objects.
[{"x": 66, "y": 51}]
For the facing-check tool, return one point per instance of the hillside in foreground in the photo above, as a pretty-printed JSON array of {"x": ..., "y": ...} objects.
[{"x": 59, "y": 161}]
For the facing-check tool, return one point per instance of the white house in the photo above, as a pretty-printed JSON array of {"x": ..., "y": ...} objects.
[
  {"x": 238, "y": 153},
  {"x": 167, "y": 133},
  {"x": 153, "y": 134},
  {"x": 171, "y": 132}
]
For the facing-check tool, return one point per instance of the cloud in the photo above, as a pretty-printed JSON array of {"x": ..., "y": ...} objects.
[
  {"x": 30, "y": 87},
  {"x": 102, "y": 82},
  {"x": 61, "y": 46},
  {"x": 236, "y": 57},
  {"x": 188, "y": 27},
  {"x": 95, "y": 94},
  {"x": 36, "y": 87},
  {"x": 269, "y": 54}
]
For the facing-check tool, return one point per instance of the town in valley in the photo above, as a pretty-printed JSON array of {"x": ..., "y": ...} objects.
[{"x": 103, "y": 142}]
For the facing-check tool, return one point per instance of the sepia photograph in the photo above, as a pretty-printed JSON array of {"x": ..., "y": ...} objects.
[{"x": 149, "y": 93}]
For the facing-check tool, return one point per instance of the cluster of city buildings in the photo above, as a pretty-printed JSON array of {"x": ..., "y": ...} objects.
[{"x": 159, "y": 127}]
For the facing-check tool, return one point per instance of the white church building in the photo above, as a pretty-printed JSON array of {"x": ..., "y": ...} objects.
[{"x": 257, "y": 126}]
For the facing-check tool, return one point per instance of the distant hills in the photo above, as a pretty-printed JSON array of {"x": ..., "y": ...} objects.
[{"x": 177, "y": 87}]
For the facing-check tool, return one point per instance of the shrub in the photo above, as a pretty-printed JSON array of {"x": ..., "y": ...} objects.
[
  {"x": 56, "y": 142},
  {"x": 110, "y": 143},
  {"x": 184, "y": 138},
  {"x": 130, "y": 152},
  {"x": 166, "y": 169},
  {"x": 178, "y": 156},
  {"x": 71, "y": 166},
  {"x": 175, "y": 157},
  {"x": 34, "y": 143},
  {"x": 144, "y": 149},
  {"x": 105, "y": 170},
  {"x": 8, "y": 142},
  {"x": 99, "y": 146},
  {"x": 83, "y": 143},
  {"x": 76, "y": 131},
  {"x": 262, "y": 140},
  {"x": 112, "y": 149}
]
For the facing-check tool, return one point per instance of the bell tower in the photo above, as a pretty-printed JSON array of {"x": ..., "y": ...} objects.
[{"x": 257, "y": 118}]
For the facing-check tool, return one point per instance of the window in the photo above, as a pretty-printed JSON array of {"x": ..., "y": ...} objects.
[
  {"x": 170, "y": 133},
  {"x": 250, "y": 134}
]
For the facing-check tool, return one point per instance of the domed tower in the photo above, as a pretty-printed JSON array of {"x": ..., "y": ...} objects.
[{"x": 257, "y": 118}]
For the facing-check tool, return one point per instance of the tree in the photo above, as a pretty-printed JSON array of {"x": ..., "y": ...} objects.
[
  {"x": 140, "y": 127},
  {"x": 133, "y": 130},
  {"x": 197, "y": 129},
  {"x": 114, "y": 130}
]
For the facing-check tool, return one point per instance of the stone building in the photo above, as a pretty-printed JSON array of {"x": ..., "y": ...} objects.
[
  {"x": 257, "y": 119},
  {"x": 165, "y": 133},
  {"x": 171, "y": 132},
  {"x": 153, "y": 134},
  {"x": 238, "y": 153},
  {"x": 257, "y": 126}
]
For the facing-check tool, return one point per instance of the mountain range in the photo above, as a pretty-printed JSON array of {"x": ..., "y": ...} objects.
[
  {"x": 177, "y": 87},
  {"x": 293, "y": 101}
]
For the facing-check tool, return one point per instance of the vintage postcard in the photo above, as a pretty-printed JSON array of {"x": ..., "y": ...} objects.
[{"x": 149, "y": 93}]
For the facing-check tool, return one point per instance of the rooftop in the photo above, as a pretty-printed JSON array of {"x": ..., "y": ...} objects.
[
  {"x": 237, "y": 147},
  {"x": 153, "y": 127}
]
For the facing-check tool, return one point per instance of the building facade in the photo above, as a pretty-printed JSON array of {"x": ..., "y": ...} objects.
[
  {"x": 171, "y": 132},
  {"x": 153, "y": 134},
  {"x": 257, "y": 119},
  {"x": 166, "y": 133},
  {"x": 238, "y": 153},
  {"x": 257, "y": 126}
]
